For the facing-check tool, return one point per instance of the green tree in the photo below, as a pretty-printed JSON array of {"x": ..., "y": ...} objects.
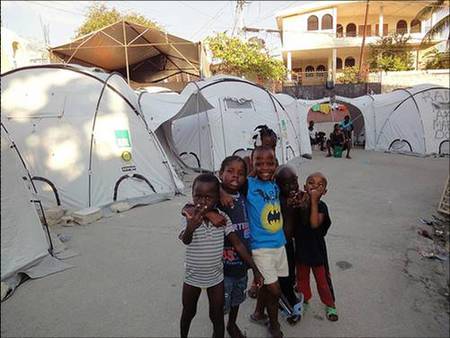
[
  {"x": 234, "y": 56},
  {"x": 99, "y": 15},
  {"x": 349, "y": 75},
  {"x": 434, "y": 59},
  {"x": 391, "y": 53}
]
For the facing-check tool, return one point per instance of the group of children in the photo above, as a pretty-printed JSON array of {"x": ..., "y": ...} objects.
[{"x": 255, "y": 217}]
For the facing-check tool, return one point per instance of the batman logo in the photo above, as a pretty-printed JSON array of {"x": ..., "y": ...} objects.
[{"x": 271, "y": 218}]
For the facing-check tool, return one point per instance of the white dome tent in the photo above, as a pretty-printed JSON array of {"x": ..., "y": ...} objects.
[
  {"x": 216, "y": 117},
  {"x": 299, "y": 118},
  {"x": 83, "y": 138},
  {"x": 412, "y": 120},
  {"x": 25, "y": 245}
]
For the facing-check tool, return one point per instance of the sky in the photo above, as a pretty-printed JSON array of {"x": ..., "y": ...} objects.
[{"x": 192, "y": 20}]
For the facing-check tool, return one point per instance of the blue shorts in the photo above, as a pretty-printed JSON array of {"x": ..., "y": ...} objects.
[{"x": 235, "y": 288}]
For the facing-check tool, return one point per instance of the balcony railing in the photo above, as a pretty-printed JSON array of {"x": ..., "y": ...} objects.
[
  {"x": 309, "y": 78},
  {"x": 374, "y": 33},
  {"x": 318, "y": 78}
]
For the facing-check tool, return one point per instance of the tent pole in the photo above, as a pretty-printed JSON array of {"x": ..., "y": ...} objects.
[
  {"x": 200, "y": 60},
  {"x": 126, "y": 51}
]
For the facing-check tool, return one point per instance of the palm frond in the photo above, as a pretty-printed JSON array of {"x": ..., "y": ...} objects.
[{"x": 437, "y": 28}]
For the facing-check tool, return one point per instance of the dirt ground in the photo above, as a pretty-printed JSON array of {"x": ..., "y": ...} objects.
[{"x": 127, "y": 279}]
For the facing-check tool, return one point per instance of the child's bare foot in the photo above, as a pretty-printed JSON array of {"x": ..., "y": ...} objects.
[
  {"x": 275, "y": 332},
  {"x": 234, "y": 331},
  {"x": 261, "y": 319}
]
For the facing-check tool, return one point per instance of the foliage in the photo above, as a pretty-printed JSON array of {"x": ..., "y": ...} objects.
[
  {"x": 232, "y": 55},
  {"x": 391, "y": 53},
  {"x": 99, "y": 15},
  {"x": 349, "y": 75},
  {"x": 433, "y": 59}
]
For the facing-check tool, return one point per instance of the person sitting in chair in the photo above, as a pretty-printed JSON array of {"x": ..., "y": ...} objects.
[{"x": 337, "y": 138}]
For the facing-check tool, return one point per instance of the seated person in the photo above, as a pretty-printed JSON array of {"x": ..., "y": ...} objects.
[
  {"x": 312, "y": 134},
  {"x": 337, "y": 138},
  {"x": 320, "y": 139}
]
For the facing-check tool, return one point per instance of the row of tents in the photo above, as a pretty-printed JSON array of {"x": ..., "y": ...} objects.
[
  {"x": 89, "y": 140},
  {"x": 86, "y": 139}
]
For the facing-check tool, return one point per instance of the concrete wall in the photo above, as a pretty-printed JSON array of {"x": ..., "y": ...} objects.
[
  {"x": 393, "y": 80},
  {"x": 319, "y": 91}
]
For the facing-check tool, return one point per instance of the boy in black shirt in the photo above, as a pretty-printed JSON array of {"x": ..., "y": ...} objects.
[{"x": 310, "y": 247}]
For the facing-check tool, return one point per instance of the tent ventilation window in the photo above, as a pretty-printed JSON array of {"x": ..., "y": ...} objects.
[{"x": 235, "y": 103}]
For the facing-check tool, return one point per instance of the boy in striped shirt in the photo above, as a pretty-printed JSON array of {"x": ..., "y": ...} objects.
[{"x": 204, "y": 230}]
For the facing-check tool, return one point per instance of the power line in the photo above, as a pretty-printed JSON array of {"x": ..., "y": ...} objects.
[
  {"x": 56, "y": 8},
  {"x": 207, "y": 23},
  {"x": 272, "y": 12}
]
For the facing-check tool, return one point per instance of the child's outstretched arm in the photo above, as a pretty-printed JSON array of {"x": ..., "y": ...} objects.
[
  {"x": 246, "y": 257},
  {"x": 194, "y": 218}
]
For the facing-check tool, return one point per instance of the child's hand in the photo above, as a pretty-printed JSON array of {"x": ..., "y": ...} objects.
[
  {"x": 258, "y": 279},
  {"x": 316, "y": 194},
  {"x": 216, "y": 219},
  {"x": 194, "y": 215},
  {"x": 226, "y": 199},
  {"x": 298, "y": 199}
]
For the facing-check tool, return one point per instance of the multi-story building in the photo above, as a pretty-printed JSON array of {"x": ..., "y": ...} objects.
[{"x": 320, "y": 39}]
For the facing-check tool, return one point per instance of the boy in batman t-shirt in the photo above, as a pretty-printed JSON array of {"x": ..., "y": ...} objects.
[{"x": 267, "y": 237}]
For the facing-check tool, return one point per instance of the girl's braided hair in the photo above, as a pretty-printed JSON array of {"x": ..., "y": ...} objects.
[{"x": 261, "y": 132}]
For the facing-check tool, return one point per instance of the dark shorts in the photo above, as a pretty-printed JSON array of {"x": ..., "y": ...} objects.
[{"x": 235, "y": 288}]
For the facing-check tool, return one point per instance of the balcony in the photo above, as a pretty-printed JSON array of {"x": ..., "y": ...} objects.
[{"x": 329, "y": 40}]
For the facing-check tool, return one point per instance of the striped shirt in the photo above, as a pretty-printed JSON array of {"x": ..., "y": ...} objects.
[{"x": 203, "y": 261}]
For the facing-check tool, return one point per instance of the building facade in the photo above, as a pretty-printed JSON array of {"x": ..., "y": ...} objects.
[{"x": 321, "y": 39}]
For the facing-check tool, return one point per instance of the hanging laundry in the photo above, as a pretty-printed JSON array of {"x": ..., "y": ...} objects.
[
  {"x": 316, "y": 107},
  {"x": 325, "y": 108}
]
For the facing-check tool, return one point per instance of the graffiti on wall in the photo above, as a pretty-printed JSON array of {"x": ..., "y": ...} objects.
[{"x": 440, "y": 101}]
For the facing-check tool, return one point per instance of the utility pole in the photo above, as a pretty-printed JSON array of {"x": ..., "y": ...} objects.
[
  {"x": 239, "y": 17},
  {"x": 364, "y": 39}
]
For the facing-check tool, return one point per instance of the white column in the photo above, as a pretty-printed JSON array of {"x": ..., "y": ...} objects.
[
  {"x": 334, "y": 56},
  {"x": 334, "y": 21},
  {"x": 380, "y": 22},
  {"x": 330, "y": 65},
  {"x": 289, "y": 65}
]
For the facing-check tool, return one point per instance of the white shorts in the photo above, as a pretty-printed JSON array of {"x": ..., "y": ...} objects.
[{"x": 272, "y": 263}]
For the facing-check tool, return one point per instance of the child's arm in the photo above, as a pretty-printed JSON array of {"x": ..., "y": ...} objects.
[
  {"x": 316, "y": 218},
  {"x": 227, "y": 200},
  {"x": 246, "y": 257}
]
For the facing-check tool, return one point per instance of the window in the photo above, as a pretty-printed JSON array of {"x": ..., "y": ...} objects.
[
  {"x": 313, "y": 23},
  {"x": 361, "y": 30},
  {"x": 402, "y": 27},
  {"x": 416, "y": 26},
  {"x": 321, "y": 71},
  {"x": 338, "y": 63},
  {"x": 238, "y": 103},
  {"x": 350, "y": 30},
  {"x": 349, "y": 62},
  {"x": 385, "y": 29},
  {"x": 309, "y": 71},
  {"x": 339, "y": 31},
  {"x": 327, "y": 21}
]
